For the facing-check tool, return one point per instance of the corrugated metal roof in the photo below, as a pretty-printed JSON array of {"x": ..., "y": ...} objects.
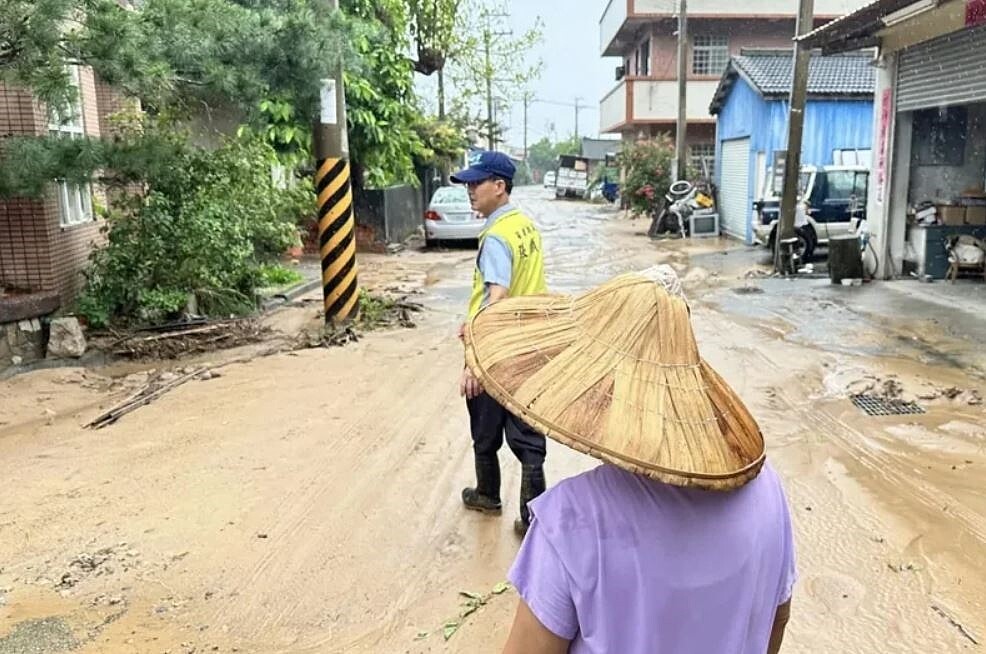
[
  {"x": 770, "y": 73},
  {"x": 863, "y": 22},
  {"x": 817, "y": 35},
  {"x": 597, "y": 149}
]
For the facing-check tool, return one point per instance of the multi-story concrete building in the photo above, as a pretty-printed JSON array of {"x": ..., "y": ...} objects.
[{"x": 642, "y": 34}]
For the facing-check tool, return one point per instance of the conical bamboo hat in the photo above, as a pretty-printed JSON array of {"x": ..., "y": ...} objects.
[{"x": 616, "y": 373}]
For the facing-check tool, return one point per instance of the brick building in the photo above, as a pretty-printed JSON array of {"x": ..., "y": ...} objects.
[{"x": 45, "y": 243}]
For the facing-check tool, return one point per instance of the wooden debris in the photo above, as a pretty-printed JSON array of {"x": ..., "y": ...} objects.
[
  {"x": 147, "y": 394},
  {"x": 175, "y": 341},
  {"x": 955, "y": 623}
]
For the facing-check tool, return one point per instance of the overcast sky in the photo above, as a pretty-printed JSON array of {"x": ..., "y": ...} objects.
[{"x": 572, "y": 67}]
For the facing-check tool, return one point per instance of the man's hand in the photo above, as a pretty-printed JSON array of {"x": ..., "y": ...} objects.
[
  {"x": 497, "y": 293},
  {"x": 469, "y": 386}
]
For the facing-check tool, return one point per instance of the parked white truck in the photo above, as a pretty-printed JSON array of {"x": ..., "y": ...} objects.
[{"x": 573, "y": 177}]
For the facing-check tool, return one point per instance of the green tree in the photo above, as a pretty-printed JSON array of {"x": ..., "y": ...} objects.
[
  {"x": 436, "y": 27},
  {"x": 381, "y": 104},
  {"x": 177, "y": 56},
  {"x": 543, "y": 155},
  {"x": 492, "y": 63},
  {"x": 647, "y": 166}
]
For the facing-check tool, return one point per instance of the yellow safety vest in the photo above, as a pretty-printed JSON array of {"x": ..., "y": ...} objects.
[{"x": 527, "y": 273}]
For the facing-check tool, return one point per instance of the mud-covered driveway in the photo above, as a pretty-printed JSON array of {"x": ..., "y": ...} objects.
[{"x": 308, "y": 501}]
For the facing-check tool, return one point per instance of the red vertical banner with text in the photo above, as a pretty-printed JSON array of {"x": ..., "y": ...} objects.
[
  {"x": 883, "y": 137},
  {"x": 975, "y": 12}
]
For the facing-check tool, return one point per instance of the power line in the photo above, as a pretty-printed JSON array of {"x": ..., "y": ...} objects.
[{"x": 566, "y": 104}]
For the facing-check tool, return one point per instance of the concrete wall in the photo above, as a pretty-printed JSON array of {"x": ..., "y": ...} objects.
[
  {"x": 765, "y": 8},
  {"x": 742, "y": 34},
  {"x": 388, "y": 216},
  {"x": 944, "y": 183}
]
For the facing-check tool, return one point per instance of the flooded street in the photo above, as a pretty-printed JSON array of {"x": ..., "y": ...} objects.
[{"x": 308, "y": 501}]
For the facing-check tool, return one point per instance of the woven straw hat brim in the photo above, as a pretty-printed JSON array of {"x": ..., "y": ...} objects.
[{"x": 616, "y": 374}]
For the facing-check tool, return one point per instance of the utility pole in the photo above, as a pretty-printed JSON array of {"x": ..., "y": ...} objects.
[
  {"x": 488, "y": 73},
  {"x": 578, "y": 107},
  {"x": 681, "y": 130},
  {"x": 487, "y": 43},
  {"x": 441, "y": 93},
  {"x": 528, "y": 98},
  {"x": 336, "y": 222},
  {"x": 796, "y": 122}
]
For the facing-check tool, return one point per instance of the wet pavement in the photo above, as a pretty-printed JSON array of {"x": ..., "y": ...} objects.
[{"x": 308, "y": 501}]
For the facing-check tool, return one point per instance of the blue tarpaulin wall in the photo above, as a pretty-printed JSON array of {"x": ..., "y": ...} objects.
[{"x": 830, "y": 124}]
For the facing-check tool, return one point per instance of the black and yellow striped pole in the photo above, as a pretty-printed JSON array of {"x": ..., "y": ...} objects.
[
  {"x": 337, "y": 239},
  {"x": 336, "y": 220}
]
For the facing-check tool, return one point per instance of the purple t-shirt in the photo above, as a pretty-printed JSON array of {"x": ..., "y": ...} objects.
[{"x": 617, "y": 562}]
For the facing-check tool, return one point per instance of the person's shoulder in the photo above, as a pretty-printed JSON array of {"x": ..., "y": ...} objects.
[
  {"x": 580, "y": 494},
  {"x": 768, "y": 480}
]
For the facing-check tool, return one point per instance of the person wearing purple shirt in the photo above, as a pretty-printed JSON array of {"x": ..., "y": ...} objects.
[{"x": 648, "y": 556}]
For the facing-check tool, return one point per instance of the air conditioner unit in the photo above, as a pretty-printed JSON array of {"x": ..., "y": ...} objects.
[{"x": 621, "y": 72}]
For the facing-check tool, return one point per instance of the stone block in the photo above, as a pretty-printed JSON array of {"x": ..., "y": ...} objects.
[{"x": 66, "y": 339}]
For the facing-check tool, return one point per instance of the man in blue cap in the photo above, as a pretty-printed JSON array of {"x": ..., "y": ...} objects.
[{"x": 510, "y": 263}]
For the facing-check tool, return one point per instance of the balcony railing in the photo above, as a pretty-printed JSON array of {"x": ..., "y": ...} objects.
[
  {"x": 613, "y": 108},
  {"x": 654, "y": 101},
  {"x": 613, "y": 20}
]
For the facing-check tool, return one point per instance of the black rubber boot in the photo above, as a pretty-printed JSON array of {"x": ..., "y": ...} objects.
[
  {"x": 485, "y": 496},
  {"x": 531, "y": 485}
]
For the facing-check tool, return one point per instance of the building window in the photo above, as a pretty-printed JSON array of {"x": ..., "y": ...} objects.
[
  {"x": 702, "y": 159},
  {"x": 74, "y": 200},
  {"x": 642, "y": 59},
  {"x": 710, "y": 54}
]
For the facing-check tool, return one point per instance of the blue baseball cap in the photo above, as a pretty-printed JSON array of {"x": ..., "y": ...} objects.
[{"x": 483, "y": 165}]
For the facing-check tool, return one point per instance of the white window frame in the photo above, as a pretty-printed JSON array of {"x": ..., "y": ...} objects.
[
  {"x": 710, "y": 54},
  {"x": 699, "y": 152},
  {"x": 74, "y": 200}
]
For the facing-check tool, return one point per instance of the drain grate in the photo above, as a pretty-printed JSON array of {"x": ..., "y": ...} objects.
[{"x": 878, "y": 406}]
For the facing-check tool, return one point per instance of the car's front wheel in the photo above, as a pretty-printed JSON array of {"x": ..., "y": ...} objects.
[{"x": 809, "y": 240}]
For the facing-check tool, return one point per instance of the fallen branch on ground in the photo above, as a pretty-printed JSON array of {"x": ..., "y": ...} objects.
[
  {"x": 474, "y": 602},
  {"x": 179, "y": 341},
  {"x": 153, "y": 389},
  {"x": 955, "y": 623},
  {"x": 147, "y": 394}
]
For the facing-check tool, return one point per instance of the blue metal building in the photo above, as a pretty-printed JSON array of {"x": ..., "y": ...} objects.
[{"x": 751, "y": 105}]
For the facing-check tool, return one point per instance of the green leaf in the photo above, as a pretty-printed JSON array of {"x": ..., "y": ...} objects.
[
  {"x": 449, "y": 629},
  {"x": 501, "y": 588}
]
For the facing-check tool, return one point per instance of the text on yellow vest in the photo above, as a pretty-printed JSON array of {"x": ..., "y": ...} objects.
[{"x": 527, "y": 272}]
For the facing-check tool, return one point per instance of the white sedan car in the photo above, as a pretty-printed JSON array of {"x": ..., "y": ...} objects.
[{"x": 450, "y": 217}]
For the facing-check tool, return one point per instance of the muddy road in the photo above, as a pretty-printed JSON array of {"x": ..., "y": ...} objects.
[{"x": 309, "y": 501}]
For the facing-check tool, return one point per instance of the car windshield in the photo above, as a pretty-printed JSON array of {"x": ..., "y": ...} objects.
[
  {"x": 450, "y": 195},
  {"x": 844, "y": 185}
]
